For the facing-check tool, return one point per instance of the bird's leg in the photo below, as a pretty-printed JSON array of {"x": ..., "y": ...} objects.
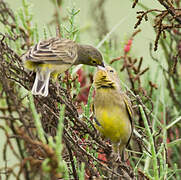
[
  {"x": 119, "y": 158},
  {"x": 120, "y": 152},
  {"x": 115, "y": 154}
]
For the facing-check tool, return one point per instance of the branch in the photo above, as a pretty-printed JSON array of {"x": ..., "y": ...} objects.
[{"x": 171, "y": 10}]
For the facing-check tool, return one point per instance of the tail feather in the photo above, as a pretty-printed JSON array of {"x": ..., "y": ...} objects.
[{"x": 40, "y": 86}]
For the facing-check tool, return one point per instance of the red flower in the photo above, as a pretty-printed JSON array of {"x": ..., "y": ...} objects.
[{"x": 127, "y": 47}]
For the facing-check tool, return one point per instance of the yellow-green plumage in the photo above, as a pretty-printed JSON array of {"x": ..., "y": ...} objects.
[{"x": 112, "y": 108}]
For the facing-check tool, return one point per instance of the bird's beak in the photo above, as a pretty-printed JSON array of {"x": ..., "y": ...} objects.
[
  {"x": 101, "y": 68},
  {"x": 102, "y": 64}
]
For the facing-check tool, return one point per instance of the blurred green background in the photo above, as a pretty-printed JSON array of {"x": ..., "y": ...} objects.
[{"x": 115, "y": 11}]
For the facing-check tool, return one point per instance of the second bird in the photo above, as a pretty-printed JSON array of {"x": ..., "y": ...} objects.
[
  {"x": 112, "y": 109},
  {"x": 54, "y": 56}
]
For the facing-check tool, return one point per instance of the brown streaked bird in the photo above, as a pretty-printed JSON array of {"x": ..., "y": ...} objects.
[
  {"x": 112, "y": 109},
  {"x": 56, "y": 55}
]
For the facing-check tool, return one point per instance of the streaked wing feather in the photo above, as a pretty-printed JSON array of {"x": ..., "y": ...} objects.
[
  {"x": 94, "y": 118},
  {"x": 53, "y": 51},
  {"x": 130, "y": 114}
]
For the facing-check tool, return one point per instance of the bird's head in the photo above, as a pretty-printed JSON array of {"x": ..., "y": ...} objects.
[
  {"x": 106, "y": 77},
  {"x": 89, "y": 55}
]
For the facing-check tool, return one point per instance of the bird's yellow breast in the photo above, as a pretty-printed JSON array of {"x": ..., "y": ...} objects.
[
  {"x": 55, "y": 69},
  {"x": 114, "y": 123}
]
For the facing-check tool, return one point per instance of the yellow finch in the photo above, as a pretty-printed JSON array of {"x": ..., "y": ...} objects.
[
  {"x": 55, "y": 56},
  {"x": 112, "y": 109}
]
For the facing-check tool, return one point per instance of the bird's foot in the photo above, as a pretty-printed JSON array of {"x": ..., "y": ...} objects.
[{"x": 118, "y": 159}]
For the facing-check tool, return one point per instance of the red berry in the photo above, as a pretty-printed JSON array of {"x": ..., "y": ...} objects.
[{"x": 127, "y": 48}]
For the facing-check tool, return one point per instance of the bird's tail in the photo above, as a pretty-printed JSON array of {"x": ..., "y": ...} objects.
[{"x": 40, "y": 86}]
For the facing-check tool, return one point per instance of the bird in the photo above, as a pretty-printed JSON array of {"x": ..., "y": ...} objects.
[
  {"x": 54, "y": 56},
  {"x": 113, "y": 113}
]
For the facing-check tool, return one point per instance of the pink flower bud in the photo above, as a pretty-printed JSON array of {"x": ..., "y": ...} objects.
[
  {"x": 129, "y": 42},
  {"x": 127, "y": 48}
]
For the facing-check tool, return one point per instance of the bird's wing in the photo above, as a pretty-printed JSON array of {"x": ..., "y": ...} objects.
[
  {"x": 53, "y": 51},
  {"x": 94, "y": 118},
  {"x": 130, "y": 114}
]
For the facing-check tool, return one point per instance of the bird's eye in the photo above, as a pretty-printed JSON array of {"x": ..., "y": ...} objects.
[
  {"x": 111, "y": 71},
  {"x": 94, "y": 62}
]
